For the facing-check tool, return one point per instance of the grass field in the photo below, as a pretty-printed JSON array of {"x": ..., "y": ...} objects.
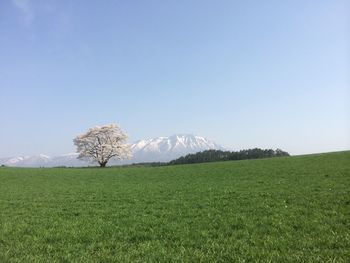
[{"x": 290, "y": 209}]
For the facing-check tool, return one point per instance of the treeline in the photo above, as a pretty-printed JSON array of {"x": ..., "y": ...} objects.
[{"x": 218, "y": 155}]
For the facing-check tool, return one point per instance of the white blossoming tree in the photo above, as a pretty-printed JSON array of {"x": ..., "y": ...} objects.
[{"x": 102, "y": 143}]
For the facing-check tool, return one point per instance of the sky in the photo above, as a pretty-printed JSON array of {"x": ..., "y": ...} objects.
[{"x": 269, "y": 74}]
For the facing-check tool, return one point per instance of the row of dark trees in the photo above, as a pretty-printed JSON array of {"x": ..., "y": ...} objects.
[{"x": 218, "y": 155}]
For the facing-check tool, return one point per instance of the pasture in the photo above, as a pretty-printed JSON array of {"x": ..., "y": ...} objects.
[{"x": 288, "y": 209}]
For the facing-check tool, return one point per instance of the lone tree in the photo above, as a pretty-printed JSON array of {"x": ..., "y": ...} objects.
[{"x": 102, "y": 143}]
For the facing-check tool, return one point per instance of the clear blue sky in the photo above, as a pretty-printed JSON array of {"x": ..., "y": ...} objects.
[{"x": 243, "y": 73}]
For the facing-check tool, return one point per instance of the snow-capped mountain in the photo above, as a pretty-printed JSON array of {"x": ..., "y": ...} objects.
[
  {"x": 69, "y": 160},
  {"x": 161, "y": 149},
  {"x": 29, "y": 161},
  {"x": 164, "y": 149},
  {"x": 43, "y": 160}
]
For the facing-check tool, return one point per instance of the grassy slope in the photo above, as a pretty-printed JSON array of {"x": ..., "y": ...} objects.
[{"x": 289, "y": 209}]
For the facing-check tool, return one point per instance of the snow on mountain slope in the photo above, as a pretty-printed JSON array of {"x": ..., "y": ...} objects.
[
  {"x": 42, "y": 160},
  {"x": 69, "y": 160},
  {"x": 161, "y": 149},
  {"x": 28, "y": 161}
]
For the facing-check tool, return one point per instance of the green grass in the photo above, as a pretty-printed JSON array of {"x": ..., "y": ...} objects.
[{"x": 290, "y": 209}]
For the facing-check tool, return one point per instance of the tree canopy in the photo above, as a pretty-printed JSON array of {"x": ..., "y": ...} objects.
[{"x": 102, "y": 143}]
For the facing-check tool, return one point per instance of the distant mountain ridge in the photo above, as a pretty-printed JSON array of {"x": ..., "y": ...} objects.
[
  {"x": 164, "y": 149},
  {"x": 160, "y": 149},
  {"x": 43, "y": 160}
]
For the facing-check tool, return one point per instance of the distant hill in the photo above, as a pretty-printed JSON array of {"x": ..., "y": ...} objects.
[
  {"x": 218, "y": 155},
  {"x": 42, "y": 160}
]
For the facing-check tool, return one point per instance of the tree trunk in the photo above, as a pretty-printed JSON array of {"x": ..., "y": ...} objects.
[{"x": 103, "y": 164}]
